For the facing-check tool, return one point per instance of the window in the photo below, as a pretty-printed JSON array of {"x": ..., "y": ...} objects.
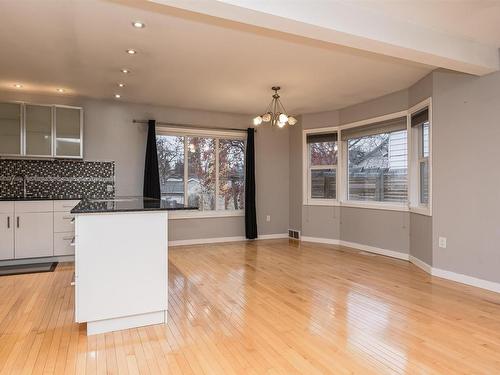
[
  {"x": 377, "y": 159},
  {"x": 203, "y": 170},
  {"x": 420, "y": 126},
  {"x": 322, "y": 153}
]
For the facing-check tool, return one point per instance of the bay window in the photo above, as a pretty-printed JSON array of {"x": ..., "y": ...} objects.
[
  {"x": 202, "y": 169},
  {"x": 322, "y": 151},
  {"x": 377, "y": 161},
  {"x": 421, "y": 154}
]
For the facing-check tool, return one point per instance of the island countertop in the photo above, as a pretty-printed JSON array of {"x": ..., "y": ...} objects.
[{"x": 126, "y": 204}]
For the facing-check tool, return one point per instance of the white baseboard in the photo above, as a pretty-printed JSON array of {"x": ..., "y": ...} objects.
[
  {"x": 272, "y": 236},
  {"x": 421, "y": 264},
  {"x": 468, "y": 280},
  {"x": 200, "y": 241},
  {"x": 376, "y": 250},
  {"x": 358, "y": 246},
  {"x": 449, "y": 275},
  {"x": 330, "y": 241}
]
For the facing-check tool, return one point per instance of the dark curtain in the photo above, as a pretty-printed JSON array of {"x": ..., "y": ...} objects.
[
  {"x": 250, "y": 209},
  {"x": 151, "y": 172}
]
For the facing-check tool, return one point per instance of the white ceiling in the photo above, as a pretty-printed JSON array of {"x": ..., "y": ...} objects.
[
  {"x": 477, "y": 20},
  {"x": 184, "y": 60}
]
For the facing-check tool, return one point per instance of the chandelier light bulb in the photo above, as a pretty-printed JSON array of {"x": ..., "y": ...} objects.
[
  {"x": 257, "y": 120},
  {"x": 275, "y": 113},
  {"x": 283, "y": 118}
]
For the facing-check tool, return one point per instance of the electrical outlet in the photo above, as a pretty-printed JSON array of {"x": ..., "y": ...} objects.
[
  {"x": 268, "y": 218},
  {"x": 442, "y": 242}
]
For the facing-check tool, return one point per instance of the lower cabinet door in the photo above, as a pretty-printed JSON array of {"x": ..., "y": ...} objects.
[
  {"x": 34, "y": 233},
  {"x": 6, "y": 236},
  {"x": 62, "y": 243}
]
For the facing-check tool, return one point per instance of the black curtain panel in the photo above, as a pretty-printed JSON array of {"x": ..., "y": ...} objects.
[
  {"x": 250, "y": 209},
  {"x": 151, "y": 172}
]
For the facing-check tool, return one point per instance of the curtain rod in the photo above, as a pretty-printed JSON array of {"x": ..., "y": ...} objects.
[{"x": 189, "y": 126}]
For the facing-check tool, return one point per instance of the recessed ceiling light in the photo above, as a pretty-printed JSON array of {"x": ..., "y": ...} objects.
[
  {"x": 121, "y": 85},
  {"x": 139, "y": 24},
  {"x": 118, "y": 96},
  {"x": 125, "y": 71},
  {"x": 18, "y": 86},
  {"x": 60, "y": 90},
  {"x": 131, "y": 51}
]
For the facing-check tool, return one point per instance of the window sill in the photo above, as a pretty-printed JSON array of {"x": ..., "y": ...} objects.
[
  {"x": 321, "y": 202},
  {"x": 421, "y": 210},
  {"x": 376, "y": 206},
  {"x": 176, "y": 215}
]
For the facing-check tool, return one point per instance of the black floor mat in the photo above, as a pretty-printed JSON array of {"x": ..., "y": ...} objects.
[{"x": 27, "y": 268}]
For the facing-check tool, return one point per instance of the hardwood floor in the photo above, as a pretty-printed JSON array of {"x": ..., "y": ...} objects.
[{"x": 263, "y": 307}]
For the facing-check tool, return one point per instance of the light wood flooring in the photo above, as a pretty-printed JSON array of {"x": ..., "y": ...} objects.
[{"x": 263, "y": 307}]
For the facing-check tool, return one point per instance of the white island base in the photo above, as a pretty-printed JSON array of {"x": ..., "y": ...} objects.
[{"x": 121, "y": 270}]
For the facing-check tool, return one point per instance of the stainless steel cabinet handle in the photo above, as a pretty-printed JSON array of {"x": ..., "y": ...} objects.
[
  {"x": 18, "y": 221},
  {"x": 8, "y": 222}
]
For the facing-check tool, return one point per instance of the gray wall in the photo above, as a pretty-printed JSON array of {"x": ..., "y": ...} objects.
[
  {"x": 421, "y": 225},
  {"x": 295, "y": 182},
  {"x": 466, "y": 177},
  {"x": 380, "y": 228},
  {"x": 109, "y": 134},
  {"x": 421, "y": 237},
  {"x": 317, "y": 221}
]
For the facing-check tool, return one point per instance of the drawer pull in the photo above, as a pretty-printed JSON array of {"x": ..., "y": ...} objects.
[
  {"x": 68, "y": 217},
  {"x": 18, "y": 221},
  {"x": 72, "y": 241},
  {"x": 8, "y": 222},
  {"x": 73, "y": 220},
  {"x": 68, "y": 238}
]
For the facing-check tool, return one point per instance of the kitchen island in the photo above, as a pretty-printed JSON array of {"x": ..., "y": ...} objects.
[{"x": 121, "y": 262}]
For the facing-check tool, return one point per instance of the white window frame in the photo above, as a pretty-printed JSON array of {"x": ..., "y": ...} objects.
[
  {"x": 344, "y": 160},
  {"x": 195, "y": 132},
  {"x": 414, "y": 148},
  {"x": 307, "y": 200}
]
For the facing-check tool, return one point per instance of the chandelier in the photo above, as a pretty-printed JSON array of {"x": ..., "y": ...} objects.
[{"x": 275, "y": 112}]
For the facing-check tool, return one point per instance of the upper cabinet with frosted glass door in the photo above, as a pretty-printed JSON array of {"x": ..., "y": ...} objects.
[
  {"x": 10, "y": 129},
  {"x": 68, "y": 132},
  {"x": 40, "y": 130}
]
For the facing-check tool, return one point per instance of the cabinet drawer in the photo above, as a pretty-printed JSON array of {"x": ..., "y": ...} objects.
[
  {"x": 62, "y": 222},
  {"x": 33, "y": 206},
  {"x": 6, "y": 207},
  {"x": 62, "y": 244},
  {"x": 64, "y": 206}
]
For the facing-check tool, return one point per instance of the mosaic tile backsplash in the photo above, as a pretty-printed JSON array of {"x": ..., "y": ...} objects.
[{"x": 57, "y": 178}]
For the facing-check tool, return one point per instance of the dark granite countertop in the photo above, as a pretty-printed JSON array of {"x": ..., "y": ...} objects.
[
  {"x": 126, "y": 204},
  {"x": 55, "y": 198}
]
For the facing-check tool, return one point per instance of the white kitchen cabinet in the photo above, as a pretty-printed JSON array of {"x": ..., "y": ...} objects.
[
  {"x": 34, "y": 234},
  {"x": 10, "y": 129},
  {"x": 62, "y": 244},
  {"x": 40, "y": 130},
  {"x": 68, "y": 132},
  {"x": 6, "y": 235}
]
